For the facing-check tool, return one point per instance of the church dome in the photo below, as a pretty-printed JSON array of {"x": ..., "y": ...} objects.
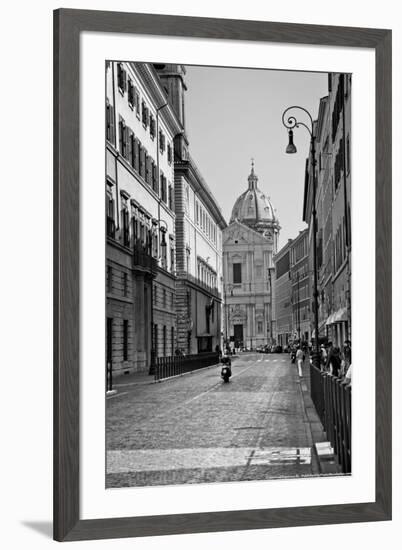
[{"x": 253, "y": 207}]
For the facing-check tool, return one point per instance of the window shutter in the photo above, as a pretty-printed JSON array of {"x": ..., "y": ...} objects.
[
  {"x": 111, "y": 124},
  {"x": 125, "y": 140},
  {"x": 121, "y": 131}
]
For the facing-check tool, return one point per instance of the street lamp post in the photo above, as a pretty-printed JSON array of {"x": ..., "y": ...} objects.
[{"x": 291, "y": 122}]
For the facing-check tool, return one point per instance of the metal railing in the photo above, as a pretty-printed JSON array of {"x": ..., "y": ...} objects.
[
  {"x": 143, "y": 259},
  {"x": 332, "y": 398},
  {"x": 166, "y": 367},
  {"x": 210, "y": 289}
]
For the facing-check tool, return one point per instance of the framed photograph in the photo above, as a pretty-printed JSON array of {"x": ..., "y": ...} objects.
[{"x": 210, "y": 178}]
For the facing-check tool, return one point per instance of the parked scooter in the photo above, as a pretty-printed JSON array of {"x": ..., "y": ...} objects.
[
  {"x": 226, "y": 371},
  {"x": 293, "y": 355}
]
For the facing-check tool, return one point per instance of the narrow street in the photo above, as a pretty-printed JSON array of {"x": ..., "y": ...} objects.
[{"x": 196, "y": 429}]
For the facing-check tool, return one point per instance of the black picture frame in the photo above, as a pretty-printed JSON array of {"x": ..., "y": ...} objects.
[{"x": 68, "y": 24}]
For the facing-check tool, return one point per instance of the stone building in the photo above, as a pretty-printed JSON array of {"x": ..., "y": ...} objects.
[
  {"x": 199, "y": 225},
  {"x": 333, "y": 194},
  {"x": 292, "y": 291},
  {"x": 283, "y": 296},
  {"x": 140, "y": 218},
  {"x": 249, "y": 244},
  {"x": 300, "y": 290}
]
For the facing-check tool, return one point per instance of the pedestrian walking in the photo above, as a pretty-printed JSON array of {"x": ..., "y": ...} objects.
[
  {"x": 323, "y": 356},
  {"x": 334, "y": 361},
  {"x": 299, "y": 359},
  {"x": 346, "y": 357}
]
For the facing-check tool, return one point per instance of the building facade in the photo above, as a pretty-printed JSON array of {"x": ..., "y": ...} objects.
[
  {"x": 300, "y": 290},
  {"x": 333, "y": 194},
  {"x": 199, "y": 225},
  {"x": 283, "y": 296},
  {"x": 292, "y": 291},
  {"x": 140, "y": 218},
  {"x": 249, "y": 244}
]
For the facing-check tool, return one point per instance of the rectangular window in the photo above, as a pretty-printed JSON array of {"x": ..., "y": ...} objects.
[
  {"x": 109, "y": 122},
  {"x": 125, "y": 340},
  {"x": 237, "y": 274},
  {"x": 259, "y": 327},
  {"x": 137, "y": 102},
  {"x": 142, "y": 161},
  {"x": 121, "y": 77},
  {"x": 162, "y": 141},
  {"x": 169, "y": 153},
  {"x": 152, "y": 126},
  {"x": 125, "y": 221},
  {"x": 170, "y": 198},
  {"x": 130, "y": 90},
  {"x": 110, "y": 224},
  {"x": 145, "y": 114},
  {"x": 156, "y": 338},
  {"x": 155, "y": 184},
  {"x": 164, "y": 341},
  {"x": 163, "y": 189},
  {"x": 122, "y": 137},
  {"x": 109, "y": 279},
  {"x": 163, "y": 249},
  {"x": 172, "y": 259},
  {"x": 172, "y": 340},
  {"x": 125, "y": 284}
]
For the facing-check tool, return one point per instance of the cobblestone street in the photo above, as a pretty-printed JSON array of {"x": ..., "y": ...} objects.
[{"x": 195, "y": 428}]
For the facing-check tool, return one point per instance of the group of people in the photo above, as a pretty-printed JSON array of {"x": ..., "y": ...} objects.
[{"x": 336, "y": 361}]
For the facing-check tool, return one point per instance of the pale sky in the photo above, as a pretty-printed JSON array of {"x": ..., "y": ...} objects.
[{"x": 233, "y": 115}]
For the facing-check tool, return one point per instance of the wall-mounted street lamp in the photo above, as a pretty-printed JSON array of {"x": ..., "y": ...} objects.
[{"x": 291, "y": 122}]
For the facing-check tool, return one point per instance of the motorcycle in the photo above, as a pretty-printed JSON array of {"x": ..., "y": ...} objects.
[{"x": 226, "y": 371}]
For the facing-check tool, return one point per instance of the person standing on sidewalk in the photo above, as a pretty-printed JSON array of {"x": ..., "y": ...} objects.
[{"x": 299, "y": 360}]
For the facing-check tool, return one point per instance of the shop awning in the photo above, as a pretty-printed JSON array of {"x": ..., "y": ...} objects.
[{"x": 339, "y": 316}]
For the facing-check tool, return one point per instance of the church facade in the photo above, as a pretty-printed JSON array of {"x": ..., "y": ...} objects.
[{"x": 249, "y": 243}]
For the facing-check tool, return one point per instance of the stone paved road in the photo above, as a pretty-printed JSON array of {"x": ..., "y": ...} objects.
[{"x": 196, "y": 429}]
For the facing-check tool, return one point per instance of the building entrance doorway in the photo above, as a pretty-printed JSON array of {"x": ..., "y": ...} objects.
[{"x": 238, "y": 336}]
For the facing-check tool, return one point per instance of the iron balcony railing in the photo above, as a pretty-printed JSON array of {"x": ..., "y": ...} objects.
[
  {"x": 166, "y": 367},
  {"x": 211, "y": 290},
  {"x": 143, "y": 259},
  {"x": 332, "y": 398}
]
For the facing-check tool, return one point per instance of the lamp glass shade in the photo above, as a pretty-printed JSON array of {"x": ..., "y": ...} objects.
[{"x": 291, "y": 148}]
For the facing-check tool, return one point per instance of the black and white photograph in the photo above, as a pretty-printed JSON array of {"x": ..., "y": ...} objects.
[{"x": 228, "y": 274}]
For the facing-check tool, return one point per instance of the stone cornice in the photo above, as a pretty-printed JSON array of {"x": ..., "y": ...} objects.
[
  {"x": 201, "y": 188},
  {"x": 150, "y": 77}
]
